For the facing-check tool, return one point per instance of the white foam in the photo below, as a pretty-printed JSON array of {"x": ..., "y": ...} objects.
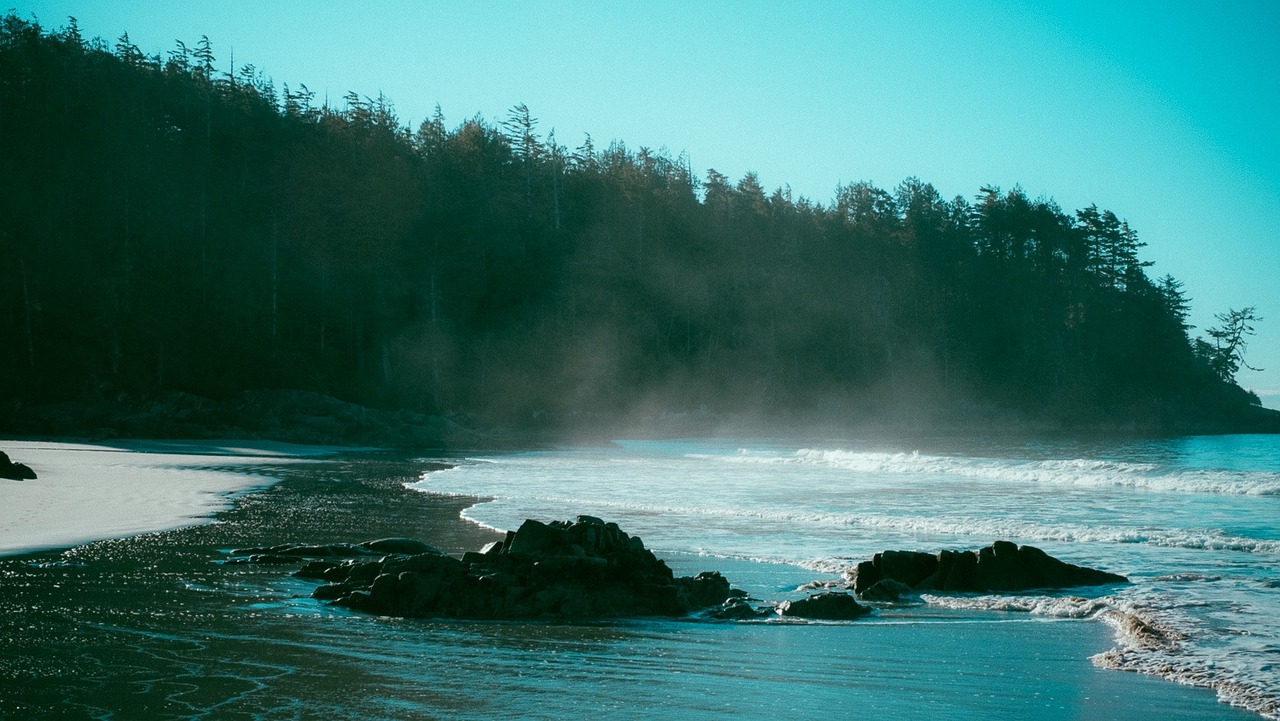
[
  {"x": 1152, "y": 642},
  {"x": 1209, "y": 540},
  {"x": 1053, "y": 607},
  {"x": 1149, "y": 640},
  {"x": 1068, "y": 472},
  {"x": 985, "y": 528}
]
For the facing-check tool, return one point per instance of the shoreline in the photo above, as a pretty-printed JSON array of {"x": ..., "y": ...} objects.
[
  {"x": 304, "y": 417},
  {"x": 360, "y": 496},
  {"x": 88, "y": 492},
  {"x": 93, "y": 491}
]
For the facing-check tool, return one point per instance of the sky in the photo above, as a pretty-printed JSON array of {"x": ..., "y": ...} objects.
[{"x": 1164, "y": 112}]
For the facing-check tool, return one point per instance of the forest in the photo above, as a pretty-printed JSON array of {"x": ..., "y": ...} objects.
[{"x": 168, "y": 226}]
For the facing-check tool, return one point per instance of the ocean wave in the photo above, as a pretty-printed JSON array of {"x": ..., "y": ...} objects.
[
  {"x": 1137, "y": 627},
  {"x": 1075, "y": 607},
  {"x": 1068, "y": 472},
  {"x": 1149, "y": 640},
  {"x": 988, "y": 529},
  {"x": 1249, "y": 686},
  {"x": 1206, "y": 540},
  {"x": 469, "y": 517}
]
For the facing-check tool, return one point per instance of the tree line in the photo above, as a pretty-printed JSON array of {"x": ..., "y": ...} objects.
[{"x": 167, "y": 226}]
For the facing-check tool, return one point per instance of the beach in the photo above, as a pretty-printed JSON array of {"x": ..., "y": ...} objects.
[
  {"x": 158, "y": 626},
  {"x": 87, "y": 492}
]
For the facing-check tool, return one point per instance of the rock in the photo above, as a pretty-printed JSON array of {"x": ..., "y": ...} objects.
[
  {"x": 356, "y": 600},
  {"x": 1001, "y": 567},
  {"x": 406, "y": 546},
  {"x": 318, "y": 570},
  {"x": 272, "y": 558},
  {"x": 737, "y": 609},
  {"x": 558, "y": 570},
  {"x": 705, "y": 589},
  {"x": 302, "y": 550},
  {"x": 909, "y": 567},
  {"x": 569, "y": 570},
  {"x": 828, "y": 606},
  {"x": 957, "y": 571},
  {"x": 15, "y": 471},
  {"x": 537, "y": 538},
  {"x": 331, "y": 592},
  {"x": 887, "y": 589}
]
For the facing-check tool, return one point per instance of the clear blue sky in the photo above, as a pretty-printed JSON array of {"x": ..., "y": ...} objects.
[{"x": 1166, "y": 112}]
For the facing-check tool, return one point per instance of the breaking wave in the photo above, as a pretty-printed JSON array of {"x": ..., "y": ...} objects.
[
  {"x": 1077, "y": 472},
  {"x": 934, "y": 525},
  {"x": 1148, "y": 641}
]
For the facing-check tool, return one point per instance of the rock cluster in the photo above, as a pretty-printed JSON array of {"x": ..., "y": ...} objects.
[
  {"x": 589, "y": 569},
  {"x": 825, "y": 606},
  {"x": 296, "y": 552},
  {"x": 1001, "y": 567},
  {"x": 559, "y": 570},
  {"x": 14, "y": 471}
]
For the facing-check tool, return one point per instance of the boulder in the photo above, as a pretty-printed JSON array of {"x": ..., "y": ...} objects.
[
  {"x": 1001, "y": 567},
  {"x": 406, "y": 546},
  {"x": 319, "y": 570},
  {"x": 15, "y": 471},
  {"x": 704, "y": 590},
  {"x": 380, "y": 547},
  {"x": 537, "y": 538},
  {"x": 887, "y": 589},
  {"x": 827, "y": 606},
  {"x": 301, "y": 550},
  {"x": 738, "y": 609}
]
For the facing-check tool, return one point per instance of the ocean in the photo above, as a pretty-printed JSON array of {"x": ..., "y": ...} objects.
[
  {"x": 1193, "y": 522},
  {"x": 156, "y": 625}
]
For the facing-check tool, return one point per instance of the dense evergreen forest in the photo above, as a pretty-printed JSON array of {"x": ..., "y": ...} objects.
[{"x": 167, "y": 226}]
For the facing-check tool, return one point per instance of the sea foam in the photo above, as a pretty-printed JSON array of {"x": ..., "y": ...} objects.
[{"x": 1066, "y": 472}]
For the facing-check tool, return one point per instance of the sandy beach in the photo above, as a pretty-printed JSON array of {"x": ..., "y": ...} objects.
[{"x": 90, "y": 491}]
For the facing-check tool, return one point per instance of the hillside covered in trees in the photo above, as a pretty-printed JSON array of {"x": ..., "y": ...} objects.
[{"x": 168, "y": 227}]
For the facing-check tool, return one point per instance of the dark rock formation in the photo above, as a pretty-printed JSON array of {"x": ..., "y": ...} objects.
[
  {"x": 738, "y": 609},
  {"x": 826, "y": 606},
  {"x": 294, "y": 552},
  {"x": 558, "y": 570},
  {"x": 887, "y": 589},
  {"x": 407, "y": 546},
  {"x": 14, "y": 471},
  {"x": 1003, "y": 566}
]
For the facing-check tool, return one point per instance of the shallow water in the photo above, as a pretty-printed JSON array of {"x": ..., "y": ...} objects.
[{"x": 155, "y": 626}]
